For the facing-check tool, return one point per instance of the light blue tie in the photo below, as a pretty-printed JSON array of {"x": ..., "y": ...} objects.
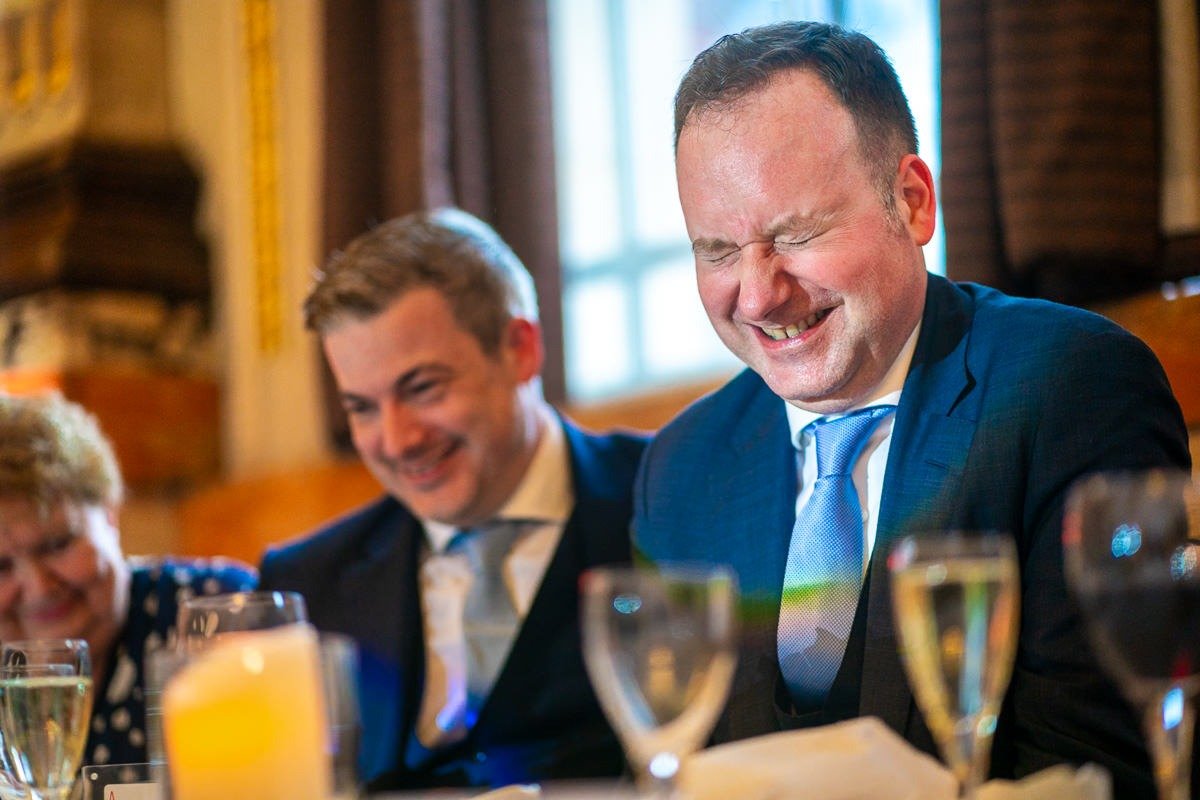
[{"x": 825, "y": 562}]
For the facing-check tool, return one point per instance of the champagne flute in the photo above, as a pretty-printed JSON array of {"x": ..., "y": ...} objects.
[
  {"x": 956, "y": 599},
  {"x": 205, "y": 616},
  {"x": 660, "y": 650},
  {"x": 1132, "y": 551},
  {"x": 45, "y": 711}
]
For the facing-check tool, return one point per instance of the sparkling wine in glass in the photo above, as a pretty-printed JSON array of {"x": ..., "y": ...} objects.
[
  {"x": 956, "y": 599},
  {"x": 660, "y": 649},
  {"x": 45, "y": 711},
  {"x": 1132, "y": 549}
]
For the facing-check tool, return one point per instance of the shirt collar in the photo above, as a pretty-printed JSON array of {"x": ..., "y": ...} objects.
[
  {"x": 887, "y": 392},
  {"x": 544, "y": 493}
]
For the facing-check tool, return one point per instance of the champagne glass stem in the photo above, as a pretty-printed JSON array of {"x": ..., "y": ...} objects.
[
  {"x": 658, "y": 789},
  {"x": 975, "y": 750},
  {"x": 1170, "y": 724},
  {"x": 660, "y": 779}
]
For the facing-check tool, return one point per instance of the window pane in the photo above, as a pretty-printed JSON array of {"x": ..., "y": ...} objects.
[
  {"x": 598, "y": 350},
  {"x": 677, "y": 339},
  {"x": 659, "y": 51},
  {"x": 584, "y": 136}
]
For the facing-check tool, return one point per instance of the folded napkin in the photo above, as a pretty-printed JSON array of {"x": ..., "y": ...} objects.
[
  {"x": 846, "y": 761},
  {"x": 514, "y": 792},
  {"x": 860, "y": 758},
  {"x": 1089, "y": 782}
]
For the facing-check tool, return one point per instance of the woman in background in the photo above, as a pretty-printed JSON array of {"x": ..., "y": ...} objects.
[{"x": 62, "y": 572}]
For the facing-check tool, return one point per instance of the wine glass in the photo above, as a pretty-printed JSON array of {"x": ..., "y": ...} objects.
[
  {"x": 45, "y": 713},
  {"x": 956, "y": 598},
  {"x": 1132, "y": 550},
  {"x": 339, "y": 679},
  {"x": 660, "y": 650},
  {"x": 205, "y": 616}
]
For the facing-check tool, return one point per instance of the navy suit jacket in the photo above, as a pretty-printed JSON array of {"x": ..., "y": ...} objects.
[
  {"x": 1007, "y": 401},
  {"x": 359, "y": 577}
]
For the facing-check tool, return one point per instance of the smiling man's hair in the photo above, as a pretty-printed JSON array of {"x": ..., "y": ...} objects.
[
  {"x": 447, "y": 250},
  {"x": 851, "y": 65}
]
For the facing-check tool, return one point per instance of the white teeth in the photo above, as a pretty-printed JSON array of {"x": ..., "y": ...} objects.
[{"x": 792, "y": 331}]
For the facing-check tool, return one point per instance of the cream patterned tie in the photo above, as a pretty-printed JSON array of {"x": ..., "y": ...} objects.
[
  {"x": 489, "y": 619},
  {"x": 470, "y": 625}
]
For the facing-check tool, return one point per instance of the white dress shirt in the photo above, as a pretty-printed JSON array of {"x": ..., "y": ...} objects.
[
  {"x": 542, "y": 501},
  {"x": 871, "y": 466}
]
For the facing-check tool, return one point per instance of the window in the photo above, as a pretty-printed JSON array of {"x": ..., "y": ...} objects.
[{"x": 633, "y": 321}]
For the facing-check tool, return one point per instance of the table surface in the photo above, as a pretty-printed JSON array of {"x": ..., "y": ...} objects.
[{"x": 569, "y": 790}]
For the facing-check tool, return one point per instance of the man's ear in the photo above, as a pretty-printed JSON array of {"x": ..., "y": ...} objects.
[
  {"x": 916, "y": 199},
  {"x": 523, "y": 348}
]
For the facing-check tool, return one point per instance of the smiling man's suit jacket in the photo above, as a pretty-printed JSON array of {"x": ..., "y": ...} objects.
[
  {"x": 1007, "y": 401},
  {"x": 541, "y": 720}
]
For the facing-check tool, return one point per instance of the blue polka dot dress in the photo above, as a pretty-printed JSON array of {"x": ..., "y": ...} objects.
[{"x": 157, "y": 587}]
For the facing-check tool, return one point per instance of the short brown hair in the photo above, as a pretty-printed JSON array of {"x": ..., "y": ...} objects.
[
  {"x": 53, "y": 450},
  {"x": 448, "y": 250},
  {"x": 851, "y": 65}
]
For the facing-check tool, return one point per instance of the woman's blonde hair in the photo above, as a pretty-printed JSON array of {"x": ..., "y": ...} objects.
[{"x": 53, "y": 450}]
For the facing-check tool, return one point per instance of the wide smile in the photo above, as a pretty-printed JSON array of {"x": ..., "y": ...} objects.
[
  {"x": 429, "y": 468},
  {"x": 49, "y": 612},
  {"x": 780, "y": 333}
]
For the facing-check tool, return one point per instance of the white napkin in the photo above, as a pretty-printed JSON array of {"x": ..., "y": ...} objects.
[
  {"x": 860, "y": 758},
  {"x": 846, "y": 761},
  {"x": 514, "y": 792},
  {"x": 1089, "y": 782}
]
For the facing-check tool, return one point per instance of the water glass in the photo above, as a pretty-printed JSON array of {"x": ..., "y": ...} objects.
[
  {"x": 660, "y": 649},
  {"x": 1132, "y": 550},
  {"x": 339, "y": 676},
  {"x": 203, "y": 617},
  {"x": 246, "y": 716}
]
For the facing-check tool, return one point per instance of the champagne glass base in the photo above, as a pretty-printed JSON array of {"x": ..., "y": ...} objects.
[
  {"x": 659, "y": 780},
  {"x": 1170, "y": 725}
]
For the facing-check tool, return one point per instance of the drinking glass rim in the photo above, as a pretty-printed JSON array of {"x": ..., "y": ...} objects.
[
  {"x": 9, "y": 671},
  {"x": 47, "y": 643},
  {"x": 698, "y": 571},
  {"x": 1133, "y": 474},
  {"x": 248, "y": 599},
  {"x": 916, "y": 548}
]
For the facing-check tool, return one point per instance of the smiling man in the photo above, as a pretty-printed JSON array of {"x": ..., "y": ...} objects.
[
  {"x": 460, "y": 584},
  {"x": 879, "y": 401}
]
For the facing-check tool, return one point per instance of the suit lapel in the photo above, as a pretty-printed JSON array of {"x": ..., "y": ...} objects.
[
  {"x": 935, "y": 424},
  {"x": 391, "y": 660},
  {"x": 751, "y": 489},
  {"x": 756, "y": 487}
]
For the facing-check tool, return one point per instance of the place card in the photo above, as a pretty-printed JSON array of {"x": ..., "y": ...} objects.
[{"x": 121, "y": 782}]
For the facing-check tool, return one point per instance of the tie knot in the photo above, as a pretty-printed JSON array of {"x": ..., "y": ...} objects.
[
  {"x": 839, "y": 441},
  {"x": 486, "y": 544}
]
